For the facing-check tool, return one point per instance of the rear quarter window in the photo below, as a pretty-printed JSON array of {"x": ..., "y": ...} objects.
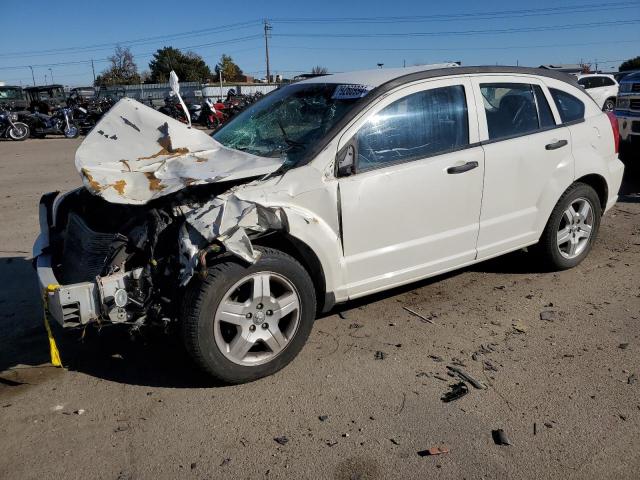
[{"x": 571, "y": 108}]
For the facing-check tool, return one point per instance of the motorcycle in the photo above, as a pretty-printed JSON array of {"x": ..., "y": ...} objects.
[
  {"x": 173, "y": 109},
  {"x": 11, "y": 128},
  {"x": 59, "y": 123}
]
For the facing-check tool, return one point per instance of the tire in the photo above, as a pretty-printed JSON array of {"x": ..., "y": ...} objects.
[
  {"x": 609, "y": 105},
  {"x": 72, "y": 132},
  {"x": 556, "y": 256},
  {"x": 229, "y": 287},
  {"x": 19, "y": 132}
]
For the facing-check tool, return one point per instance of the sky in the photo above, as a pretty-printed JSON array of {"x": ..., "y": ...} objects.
[{"x": 59, "y": 39}]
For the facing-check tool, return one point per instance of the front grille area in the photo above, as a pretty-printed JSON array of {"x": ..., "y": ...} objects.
[
  {"x": 634, "y": 104},
  {"x": 84, "y": 252},
  {"x": 635, "y": 87}
]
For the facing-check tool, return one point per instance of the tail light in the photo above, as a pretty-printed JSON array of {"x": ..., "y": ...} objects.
[{"x": 616, "y": 130}]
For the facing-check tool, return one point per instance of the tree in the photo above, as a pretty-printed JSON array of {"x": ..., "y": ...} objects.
[
  {"x": 631, "y": 64},
  {"x": 318, "y": 70},
  {"x": 190, "y": 67},
  {"x": 123, "y": 69},
  {"x": 230, "y": 71}
]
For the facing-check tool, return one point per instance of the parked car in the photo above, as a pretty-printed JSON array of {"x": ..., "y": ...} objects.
[
  {"x": 324, "y": 191},
  {"x": 12, "y": 98},
  {"x": 45, "y": 98},
  {"x": 628, "y": 109},
  {"x": 602, "y": 88}
]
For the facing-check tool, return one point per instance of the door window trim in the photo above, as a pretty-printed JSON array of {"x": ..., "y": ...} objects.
[{"x": 349, "y": 136}]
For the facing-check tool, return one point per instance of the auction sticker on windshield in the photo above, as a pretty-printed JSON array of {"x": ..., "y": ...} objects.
[{"x": 347, "y": 92}]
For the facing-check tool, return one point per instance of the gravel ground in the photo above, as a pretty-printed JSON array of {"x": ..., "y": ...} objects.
[{"x": 562, "y": 389}]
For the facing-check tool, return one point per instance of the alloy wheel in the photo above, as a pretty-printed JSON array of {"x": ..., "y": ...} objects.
[
  {"x": 576, "y": 226},
  {"x": 257, "y": 318}
]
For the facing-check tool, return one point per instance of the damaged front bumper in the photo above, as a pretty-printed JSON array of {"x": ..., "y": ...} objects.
[{"x": 78, "y": 304}]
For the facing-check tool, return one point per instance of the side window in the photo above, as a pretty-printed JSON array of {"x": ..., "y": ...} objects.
[
  {"x": 419, "y": 125},
  {"x": 571, "y": 109},
  {"x": 607, "y": 82},
  {"x": 510, "y": 109},
  {"x": 586, "y": 82},
  {"x": 544, "y": 111}
]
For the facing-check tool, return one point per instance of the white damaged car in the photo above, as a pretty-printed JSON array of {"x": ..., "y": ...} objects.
[{"x": 324, "y": 191}]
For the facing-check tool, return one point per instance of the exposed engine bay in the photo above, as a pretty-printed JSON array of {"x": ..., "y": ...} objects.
[{"x": 121, "y": 249}]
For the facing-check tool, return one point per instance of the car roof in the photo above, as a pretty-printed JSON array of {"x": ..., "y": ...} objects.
[
  {"x": 392, "y": 77},
  {"x": 375, "y": 77},
  {"x": 583, "y": 75}
]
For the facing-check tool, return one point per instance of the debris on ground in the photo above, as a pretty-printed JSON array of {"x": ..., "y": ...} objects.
[
  {"x": 500, "y": 438},
  {"x": 623, "y": 346},
  {"x": 548, "y": 315},
  {"x": 281, "y": 440},
  {"x": 57, "y": 408},
  {"x": 519, "y": 327},
  {"x": 225, "y": 462},
  {"x": 80, "y": 411},
  {"x": 342, "y": 315},
  {"x": 379, "y": 355},
  {"x": 323, "y": 418},
  {"x": 433, "y": 451},
  {"x": 421, "y": 317},
  {"x": 355, "y": 325},
  {"x": 463, "y": 375},
  {"x": 632, "y": 379},
  {"x": 436, "y": 358},
  {"x": 458, "y": 390},
  {"x": 394, "y": 441},
  {"x": 331, "y": 443},
  {"x": 194, "y": 465}
]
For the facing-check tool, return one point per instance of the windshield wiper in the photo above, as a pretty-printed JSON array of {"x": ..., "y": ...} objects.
[{"x": 288, "y": 141}]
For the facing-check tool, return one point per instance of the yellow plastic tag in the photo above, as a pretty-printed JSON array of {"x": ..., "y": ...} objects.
[{"x": 53, "y": 348}]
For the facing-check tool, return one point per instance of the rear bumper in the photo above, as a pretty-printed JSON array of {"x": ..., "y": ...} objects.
[{"x": 75, "y": 304}]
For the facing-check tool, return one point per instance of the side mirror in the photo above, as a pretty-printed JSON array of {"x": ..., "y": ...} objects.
[{"x": 346, "y": 161}]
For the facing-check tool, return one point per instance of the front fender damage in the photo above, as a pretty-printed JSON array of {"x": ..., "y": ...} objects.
[{"x": 230, "y": 220}]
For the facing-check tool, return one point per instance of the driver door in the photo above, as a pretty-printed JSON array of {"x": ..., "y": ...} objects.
[{"x": 412, "y": 207}]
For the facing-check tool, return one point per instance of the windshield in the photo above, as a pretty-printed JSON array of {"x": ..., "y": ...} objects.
[
  {"x": 10, "y": 93},
  {"x": 288, "y": 121}
]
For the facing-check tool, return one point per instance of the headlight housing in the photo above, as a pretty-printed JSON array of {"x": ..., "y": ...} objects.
[{"x": 14, "y": 117}]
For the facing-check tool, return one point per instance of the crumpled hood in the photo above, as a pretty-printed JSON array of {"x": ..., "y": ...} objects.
[{"x": 136, "y": 154}]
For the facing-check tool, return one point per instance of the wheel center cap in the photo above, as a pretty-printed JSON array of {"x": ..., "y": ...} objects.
[{"x": 258, "y": 318}]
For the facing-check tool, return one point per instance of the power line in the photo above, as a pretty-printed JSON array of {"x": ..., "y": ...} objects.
[
  {"x": 466, "y": 16},
  {"x": 141, "y": 41},
  {"x": 456, "y": 49},
  {"x": 572, "y": 26}
]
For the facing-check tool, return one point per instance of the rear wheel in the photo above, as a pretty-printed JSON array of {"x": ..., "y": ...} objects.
[
  {"x": 571, "y": 229},
  {"x": 243, "y": 323},
  {"x": 609, "y": 105}
]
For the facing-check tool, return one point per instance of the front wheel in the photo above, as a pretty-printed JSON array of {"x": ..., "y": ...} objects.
[
  {"x": 72, "y": 131},
  {"x": 571, "y": 228},
  {"x": 242, "y": 322},
  {"x": 19, "y": 131}
]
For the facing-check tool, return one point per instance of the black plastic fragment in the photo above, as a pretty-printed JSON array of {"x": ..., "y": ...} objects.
[{"x": 458, "y": 390}]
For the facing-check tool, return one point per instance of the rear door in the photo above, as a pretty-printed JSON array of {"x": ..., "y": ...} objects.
[{"x": 528, "y": 160}]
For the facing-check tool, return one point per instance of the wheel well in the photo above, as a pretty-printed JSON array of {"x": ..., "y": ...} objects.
[
  {"x": 307, "y": 258},
  {"x": 599, "y": 184}
]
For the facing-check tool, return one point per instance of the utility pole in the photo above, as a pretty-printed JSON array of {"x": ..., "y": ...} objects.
[
  {"x": 51, "y": 72},
  {"x": 93, "y": 68},
  {"x": 33, "y": 76},
  {"x": 267, "y": 29},
  {"x": 45, "y": 79}
]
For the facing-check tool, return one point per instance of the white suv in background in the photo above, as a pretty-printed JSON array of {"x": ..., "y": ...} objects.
[
  {"x": 324, "y": 191},
  {"x": 602, "y": 88}
]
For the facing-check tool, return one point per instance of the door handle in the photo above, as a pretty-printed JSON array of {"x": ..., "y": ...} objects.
[
  {"x": 462, "y": 168},
  {"x": 556, "y": 145}
]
